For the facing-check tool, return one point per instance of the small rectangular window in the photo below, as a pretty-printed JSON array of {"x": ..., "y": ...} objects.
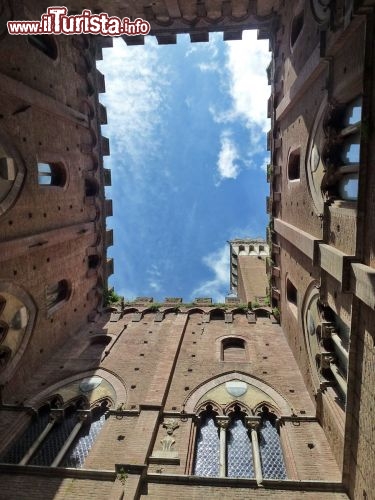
[
  {"x": 51, "y": 174},
  {"x": 294, "y": 165}
]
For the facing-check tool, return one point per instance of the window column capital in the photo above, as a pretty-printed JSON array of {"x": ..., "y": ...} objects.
[
  {"x": 253, "y": 422},
  {"x": 222, "y": 421}
]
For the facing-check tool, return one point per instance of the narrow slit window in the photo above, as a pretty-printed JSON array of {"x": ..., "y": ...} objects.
[
  {"x": 291, "y": 292},
  {"x": 296, "y": 28},
  {"x": 294, "y": 163}
]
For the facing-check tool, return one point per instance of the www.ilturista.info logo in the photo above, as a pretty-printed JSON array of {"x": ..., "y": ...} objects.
[{"x": 57, "y": 22}]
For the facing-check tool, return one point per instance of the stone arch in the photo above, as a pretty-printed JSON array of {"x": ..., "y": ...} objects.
[
  {"x": 195, "y": 310},
  {"x": 192, "y": 401},
  {"x": 244, "y": 408},
  {"x": 68, "y": 386},
  {"x": 215, "y": 407}
]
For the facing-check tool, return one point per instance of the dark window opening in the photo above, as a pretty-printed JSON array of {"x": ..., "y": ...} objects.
[
  {"x": 51, "y": 174},
  {"x": 3, "y": 330},
  {"x": 93, "y": 261},
  {"x": 57, "y": 293},
  {"x": 2, "y": 304},
  {"x": 44, "y": 43},
  {"x": 234, "y": 350},
  {"x": 5, "y": 355},
  {"x": 294, "y": 165},
  {"x": 297, "y": 25},
  {"x": 217, "y": 314},
  {"x": 91, "y": 187},
  {"x": 291, "y": 292}
]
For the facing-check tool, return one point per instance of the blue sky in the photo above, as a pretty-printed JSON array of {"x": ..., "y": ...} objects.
[{"x": 187, "y": 127}]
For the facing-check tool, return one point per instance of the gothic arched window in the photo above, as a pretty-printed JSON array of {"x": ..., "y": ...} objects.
[
  {"x": 270, "y": 449},
  {"x": 239, "y": 451},
  {"x": 208, "y": 446},
  {"x": 239, "y": 445},
  {"x": 57, "y": 436}
]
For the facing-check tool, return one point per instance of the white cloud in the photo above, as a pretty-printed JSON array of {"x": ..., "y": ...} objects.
[
  {"x": 210, "y": 66},
  {"x": 218, "y": 263},
  {"x": 228, "y": 155},
  {"x": 247, "y": 62},
  {"x": 137, "y": 91},
  {"x": 155, "y": 276}
]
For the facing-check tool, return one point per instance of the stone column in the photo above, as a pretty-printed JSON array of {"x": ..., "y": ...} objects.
[
  {"x": 253, "y": 424},
  {"x": 223, "y": 423}
]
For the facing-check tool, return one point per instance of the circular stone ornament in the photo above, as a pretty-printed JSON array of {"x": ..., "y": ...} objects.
[
  {"x": 89, "y": 384},
  {"x": 236, "y": 388}
]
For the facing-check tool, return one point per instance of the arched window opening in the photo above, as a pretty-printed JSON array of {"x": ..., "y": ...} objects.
[
  {"x": 208, "y": 446},
  {"x": 296, "y": 28},
  {"x": 239, "y": 450},
  {"x": 44, "y": 43},
  {"x": 52, "y": 430},
  {"x": 91, "y": 187},
  {"x": 217, "y": 314},
  {"x": 234, "y": 350},
  {"x": 51, "y": 174},
  {"x": 238, "y": 445},
  {"x": 96, "y": 348},
  {"x": 294, "y": 162},
  {"x": 57, "y": 293},
  {"x": 241, "y": 249},
  {"x": 348, "y": 187},
  {"x": 270, "y": 449}
]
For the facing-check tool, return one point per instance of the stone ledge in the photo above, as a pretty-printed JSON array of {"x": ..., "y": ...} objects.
[
  {"x": 305, "y": 242},
  {"x": 40, "y": 470},
  {"x": 282, "y": 484}
]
